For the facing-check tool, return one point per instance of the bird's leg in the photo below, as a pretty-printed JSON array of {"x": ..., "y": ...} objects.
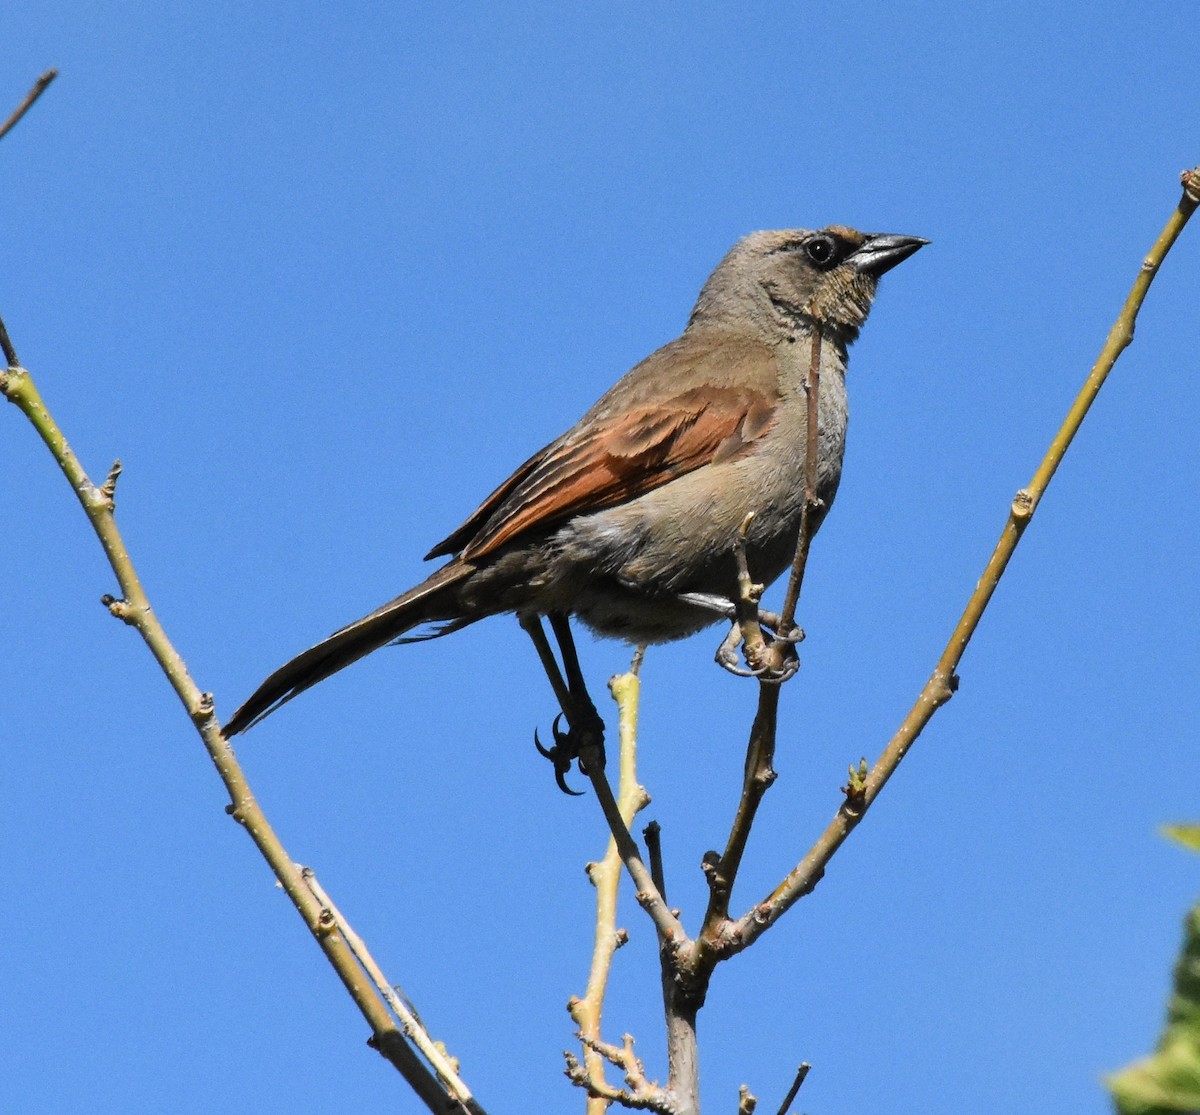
[
  {"x": 585, "y": 728},
  {"x": 585, "y": 736}
]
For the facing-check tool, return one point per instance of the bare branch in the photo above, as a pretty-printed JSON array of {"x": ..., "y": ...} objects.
[
  {"x": 794, "y": 1090},
  {"x": 648, "y": 895},
  {"x": 605, "y": 876},
  {"x": 745, "y": 607},
  {"x": 414, "y": 1029},
  {"x": 39, "y": 87},
  {"x": 639, "y": 1093},
  {"x": 652, "y": 834},
  {"x": 6, "y": 346},
  {"x": 133, "y": 608},
  {"x": 812, "y": 387}
]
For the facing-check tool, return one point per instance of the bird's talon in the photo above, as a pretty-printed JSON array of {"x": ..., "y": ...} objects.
[
  {"x": 727, "y": 658},
  {"x": 560, "y": 776},
  {"x": 562, "y": 755},
  {"x": 777, "y": 674}
]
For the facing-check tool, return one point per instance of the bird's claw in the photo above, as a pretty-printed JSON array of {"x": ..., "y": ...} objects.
[
  {"x": 772, "y": 622},
  {"x": 788, "y": 668},
  {"x": 727, "y": 653},
  {"x": 562, "y": 754},
  {"x": 777, "y": 669}
]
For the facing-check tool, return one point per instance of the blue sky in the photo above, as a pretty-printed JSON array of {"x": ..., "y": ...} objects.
[{"x": 322, "y": 275}]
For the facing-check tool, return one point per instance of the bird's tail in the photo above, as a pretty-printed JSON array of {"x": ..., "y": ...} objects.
[{"x": 435, "y": 598}]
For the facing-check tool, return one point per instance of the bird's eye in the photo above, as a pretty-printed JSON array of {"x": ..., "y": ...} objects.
[{"x": 822, "y": 250}]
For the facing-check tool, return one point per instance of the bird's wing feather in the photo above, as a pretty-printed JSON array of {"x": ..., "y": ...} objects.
[{"x": 613, "y": 460}]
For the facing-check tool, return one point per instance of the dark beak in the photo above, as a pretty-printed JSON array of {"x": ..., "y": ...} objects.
[{"x": 882, "y": 251}]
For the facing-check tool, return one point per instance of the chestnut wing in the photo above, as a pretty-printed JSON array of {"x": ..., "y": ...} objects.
[{"x": 615, "y": 458}]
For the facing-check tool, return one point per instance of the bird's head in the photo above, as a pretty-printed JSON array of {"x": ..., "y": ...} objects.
[{"x": 789, "y": 279}]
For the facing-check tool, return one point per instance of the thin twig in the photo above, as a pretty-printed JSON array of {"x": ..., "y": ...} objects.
[
  {"x": 134, "y": 609},
  {"x": 39, "y": 87},
  {"x": 605, "y": 875},
  {"x": 680, "y": 998},
  {"x": 745, "y": 607},
  {"x": 639, "y": 1093},
  {"x": 812, "y": 387},
  {"x": 414, "y": 1029},
  {"x": 861, "y": 792},
  {"x": 648, "y": 895},
  {"x": 652, "y": 834},
  {"x": 6, "y": 346},
  {"x": 794, "y": 1090},
  {"x": 759, "y": 775}
]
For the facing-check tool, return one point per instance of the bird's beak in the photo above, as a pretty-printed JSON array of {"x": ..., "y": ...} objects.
[{"x": 881, "y": 251}]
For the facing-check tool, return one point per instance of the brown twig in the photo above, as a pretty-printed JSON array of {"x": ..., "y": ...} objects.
[
  {"x": 722, "y": 869},
  {"x": 652, "y": 834},
  {"x": 794, "y": 1090},
  {"x": 39, "y": 87},
  {"x": 812, "y": 388},
  {"x": 745, "y": 609},
  {"x": 6, "y": 346},
  {"x": 134, "y": 609},
  {"x": 648, "y": 895}
]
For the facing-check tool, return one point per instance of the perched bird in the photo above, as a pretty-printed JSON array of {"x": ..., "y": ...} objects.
[{"x": 630, "y": 520}]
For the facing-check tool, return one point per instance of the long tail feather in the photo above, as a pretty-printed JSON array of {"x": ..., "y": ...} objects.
[{"x": 433, "y": 599}]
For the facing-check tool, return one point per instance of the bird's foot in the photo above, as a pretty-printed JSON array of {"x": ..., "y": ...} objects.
[
  {"x": 572, "y": 746},
  {"x": 775, "y": 662}
]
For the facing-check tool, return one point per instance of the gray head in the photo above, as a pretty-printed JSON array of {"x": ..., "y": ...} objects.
[{"x": 777, "y": 282}]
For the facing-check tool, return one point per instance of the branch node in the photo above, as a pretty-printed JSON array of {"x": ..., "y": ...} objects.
[
  {"x": 718, "y": 882},
  {"x": 121, "y": 609},
  {"x": 856, "y": 787},
  {"x": 1023, "y": 505},
  {"x": 204, "y": 708},
  {"x": 638, "y": 1093},
  {"x": 326, "y": 923},
  {"x": 764, "y": 777},
  {"x": 109, "y": 488},
  {"x": 1190, "y": 180}
]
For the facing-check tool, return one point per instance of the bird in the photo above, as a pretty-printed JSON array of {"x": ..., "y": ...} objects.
[{"x": 630, "y": 521}]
